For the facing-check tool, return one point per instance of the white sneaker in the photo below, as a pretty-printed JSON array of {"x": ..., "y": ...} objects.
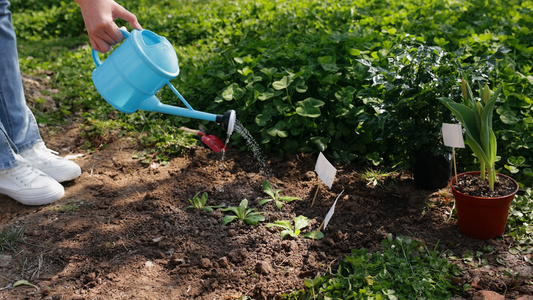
[
  {"x": 29, "y": 185},
  {"x": 46, "y": 160}
]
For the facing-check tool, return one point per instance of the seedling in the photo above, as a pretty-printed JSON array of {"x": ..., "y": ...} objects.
[
  {"x": 250, "y": 216},
  {"x": 274, "y": 196},
  {"x": 374, "y": 177},
  {"x": 199, "y": 203},
  {"x": 299, "y": 223}
]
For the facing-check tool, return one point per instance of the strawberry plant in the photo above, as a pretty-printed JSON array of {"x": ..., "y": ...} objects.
[
  {"x": 275, "y": 196},
  {"x": 242, "y": 212},
  {"x": 199, "y": 203},
  {"x": 300, "y": 222}
]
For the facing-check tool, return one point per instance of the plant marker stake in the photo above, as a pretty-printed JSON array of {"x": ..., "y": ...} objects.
[
  {"x": 328, "y": 216},
  {"x": 452, "y": 135},
  {"x": 317, "y": 188},
  {"x": 326, "y": 172}
]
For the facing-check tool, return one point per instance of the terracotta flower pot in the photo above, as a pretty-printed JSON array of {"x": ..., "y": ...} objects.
[{"x": 482, "y": 217}]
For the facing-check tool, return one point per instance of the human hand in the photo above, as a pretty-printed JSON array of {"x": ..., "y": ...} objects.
[{"x": 99, "y": 16}]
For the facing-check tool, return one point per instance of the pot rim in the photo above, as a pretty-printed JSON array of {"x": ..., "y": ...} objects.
[{"x": 484, "y": 198}]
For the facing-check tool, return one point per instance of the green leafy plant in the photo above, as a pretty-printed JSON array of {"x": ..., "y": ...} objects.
[
  {"x": 300, "y": 222},
  {"x": 520, "y": 222},
  {"x": 199, "y": 203},
  {"x": 302, "y": 75},
  {"x": 475, "y": 114},
  {"x": 405, "y": 269},
  {"x": 242, "y": 212},
  {"x": 275, "y": 196}
]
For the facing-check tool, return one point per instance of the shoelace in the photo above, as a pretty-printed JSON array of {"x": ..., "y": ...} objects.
[{"x": 24, "y": 172}]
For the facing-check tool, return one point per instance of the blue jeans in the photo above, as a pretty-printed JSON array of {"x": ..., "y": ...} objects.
[{"x": 18, "y": 128}]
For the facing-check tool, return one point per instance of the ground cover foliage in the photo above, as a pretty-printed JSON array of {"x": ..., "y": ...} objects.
[
  {"x": 351, "y": 78},
  {"x": 358, "y": 80}
]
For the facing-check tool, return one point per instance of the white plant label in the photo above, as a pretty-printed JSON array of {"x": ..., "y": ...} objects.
[
  {"x": 325, "y": 170},
  {"x": 452, "y": 135},
  {"x": 331, "y": 211}
]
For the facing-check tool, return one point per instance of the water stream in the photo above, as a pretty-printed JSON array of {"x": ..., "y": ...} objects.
[{"x": 252, "y": 145}]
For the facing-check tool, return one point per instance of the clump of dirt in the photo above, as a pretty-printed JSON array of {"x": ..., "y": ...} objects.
[
  {"x": 39, "y": 93},
  {"x": 123, "y": 231}
]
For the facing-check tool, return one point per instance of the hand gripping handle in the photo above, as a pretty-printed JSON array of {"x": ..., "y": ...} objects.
[{"x": 94, "y": 53}]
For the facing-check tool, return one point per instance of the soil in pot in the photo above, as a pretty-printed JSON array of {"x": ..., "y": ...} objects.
[{"x": 471, "y": 184}]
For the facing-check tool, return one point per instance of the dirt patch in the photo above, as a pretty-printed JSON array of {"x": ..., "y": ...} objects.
[{"x": 122, "y": 230}]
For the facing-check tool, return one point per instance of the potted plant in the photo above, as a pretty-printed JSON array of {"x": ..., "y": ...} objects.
[
  {"x": 406, "y": 85},
  {"x": 483, "y": 197}
]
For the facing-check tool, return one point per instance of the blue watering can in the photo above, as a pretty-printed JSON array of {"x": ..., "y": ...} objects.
[{"x": 131, "y": 76}]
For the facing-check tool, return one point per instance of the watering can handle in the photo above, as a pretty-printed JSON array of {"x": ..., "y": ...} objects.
[{"x": 94, "y": 53}]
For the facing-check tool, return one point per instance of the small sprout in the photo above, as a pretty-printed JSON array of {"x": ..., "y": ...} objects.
[
  {"x": 199, "y": 203},
  {"x": 300, "y": 222},
  {"x": 374, "y": 177},
  {"x": 274, "y": 196},
  {"x": 250, "y": 216}
]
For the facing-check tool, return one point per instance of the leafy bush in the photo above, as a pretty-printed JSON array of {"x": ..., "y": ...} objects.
[
  {"x": 301, "y": 73},
  {"x": 405, "y": 269}
]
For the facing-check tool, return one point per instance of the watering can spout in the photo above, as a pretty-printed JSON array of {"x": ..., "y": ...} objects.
[
  {"x": 227, "y": 120},
  {"x": 153, "y": 104}
]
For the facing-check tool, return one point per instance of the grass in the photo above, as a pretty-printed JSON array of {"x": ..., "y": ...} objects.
[{"x": 10, "y": 238}]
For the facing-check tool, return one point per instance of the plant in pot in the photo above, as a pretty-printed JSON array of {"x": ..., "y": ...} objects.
[
  {"x": 482, "y": 197},
  {"x": 410, "y": 125}
]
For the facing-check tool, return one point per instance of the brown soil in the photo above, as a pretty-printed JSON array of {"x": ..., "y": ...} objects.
[{"x": 123, "y": 231}]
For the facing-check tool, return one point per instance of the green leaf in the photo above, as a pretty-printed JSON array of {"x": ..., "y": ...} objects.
[
  {"x": 288, "y": 232},
  {"x": 300, "y": 222},
  {"x": 314, "y": 234},
  {"x": 287, "y": 198},
  {"x": 284, "y": 224},
  {"x": 309, "y": 107},
  {"x": 228, "y": 219},
  {"x": 232, "y": 91},
  {"x": 267, "y": 188},
  {"x": 264, "y": 201},
  {"x": 25, "y": 282},
  {"x": 279, "y": 204},
  {"x": 254, "y": 218},
  {"x": 241, "y": 211},
  {"x": 277, "y": 130},
  {"x": 328, "y": 63},
  {"x": 282, "y": 84}
]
